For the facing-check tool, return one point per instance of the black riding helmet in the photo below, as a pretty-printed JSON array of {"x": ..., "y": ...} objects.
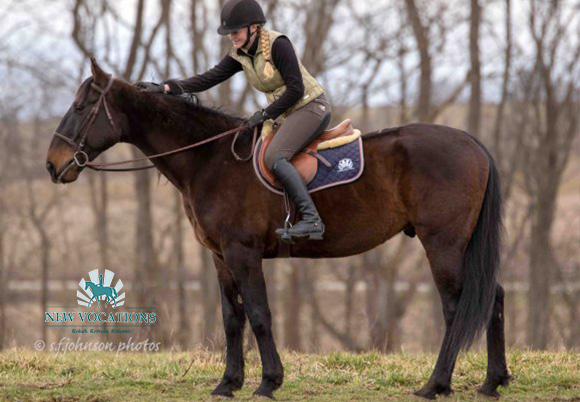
[{"x": 238, "y": 14}]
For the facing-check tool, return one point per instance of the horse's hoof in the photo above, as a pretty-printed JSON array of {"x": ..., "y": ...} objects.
[
  {"x": 266, "y": 396},
  {"x": 227, "y": 387},
  {"x": 489, "y": 387},
  {"x": 492, "y": 393},
  {"x": 431, "y": 391},
  {"x": 426, "y": 393},
  {"x": 221, "y": 397},
  {"x": 219, "y": 394}
]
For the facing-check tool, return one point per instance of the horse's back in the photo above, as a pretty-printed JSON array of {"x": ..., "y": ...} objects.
[{"x": 441, "y": 154}]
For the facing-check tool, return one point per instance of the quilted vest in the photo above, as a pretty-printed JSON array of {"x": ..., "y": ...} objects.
[{"x": 274, "y": 86}]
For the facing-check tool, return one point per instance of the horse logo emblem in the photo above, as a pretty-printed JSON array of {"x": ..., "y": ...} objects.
[
  {"x": 99, "y": 289},
  {"x": 345, "y": 164}
]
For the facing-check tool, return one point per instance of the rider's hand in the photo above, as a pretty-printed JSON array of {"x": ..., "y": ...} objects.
[
  {"x": 258, "y": 118},
  {"x": 150, "y": 87}
]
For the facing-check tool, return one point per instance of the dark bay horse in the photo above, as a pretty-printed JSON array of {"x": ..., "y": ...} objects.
[{"x": 433, "y": 181}]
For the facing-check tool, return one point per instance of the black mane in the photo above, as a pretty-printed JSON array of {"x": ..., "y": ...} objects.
[
  {"x": 185, "y": 115},
  {"x": 188, "y": 105}
]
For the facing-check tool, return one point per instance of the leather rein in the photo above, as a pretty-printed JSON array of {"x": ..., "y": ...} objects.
[{"x": 81, "y": 159}]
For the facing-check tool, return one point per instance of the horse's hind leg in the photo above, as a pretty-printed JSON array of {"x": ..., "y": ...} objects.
[
  {"x": 446, "y": 267},
  {"x": 234, "y": 320},
  {"x": 497, "y": 372}
]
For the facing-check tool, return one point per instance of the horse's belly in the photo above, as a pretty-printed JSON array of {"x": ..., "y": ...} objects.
[{"x": 354, "y": 227}]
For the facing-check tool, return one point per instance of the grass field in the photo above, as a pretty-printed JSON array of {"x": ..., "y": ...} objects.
[{"x": 106, "y": 376}]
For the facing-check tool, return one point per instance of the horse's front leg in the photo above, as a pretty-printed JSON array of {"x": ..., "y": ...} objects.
[
  {"x": 246, "y": 265},
  {"x": 234, "y": 320}
]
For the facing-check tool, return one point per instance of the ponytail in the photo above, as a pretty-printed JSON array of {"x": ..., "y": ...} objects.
[{"x": 265, "y": 43}]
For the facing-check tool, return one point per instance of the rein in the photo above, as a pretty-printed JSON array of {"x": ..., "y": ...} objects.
[
  {"x": 103, "y": 166},
  {"x": 81, "y": 159}
]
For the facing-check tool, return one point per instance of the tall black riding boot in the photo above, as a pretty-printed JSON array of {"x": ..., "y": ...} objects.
[{"x": 310, "y": 223}]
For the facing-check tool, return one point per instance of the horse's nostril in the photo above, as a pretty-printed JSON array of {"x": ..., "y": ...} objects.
[{"x": 51, "y": 171}]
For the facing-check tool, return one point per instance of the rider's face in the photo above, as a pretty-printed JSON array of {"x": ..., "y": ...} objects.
[{"x": 239, "y": 37}]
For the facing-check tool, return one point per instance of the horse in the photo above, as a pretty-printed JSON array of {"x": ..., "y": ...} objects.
[
  {"x": 432, "y": 181},
  {"x": 101, "y": 291}
]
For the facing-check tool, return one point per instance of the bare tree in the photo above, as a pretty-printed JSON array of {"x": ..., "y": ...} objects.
[
  {"x": 497, "y": 149},
  {"x": 425, "y": 81},
  {"x": 319, "y": 19},
  {"x": 474, "y": 117},
  {"x": 385, "y": 305},
  {"x": 210, "y": 296},
  {"x": 554, "y": 104},
  {"x": 292, "y": 302}
]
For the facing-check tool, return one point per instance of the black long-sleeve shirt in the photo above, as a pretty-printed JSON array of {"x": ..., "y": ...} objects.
[{"x": 284, "y": 59}]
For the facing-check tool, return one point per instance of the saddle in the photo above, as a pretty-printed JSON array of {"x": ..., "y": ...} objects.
[{"x": 306, "y": 161}]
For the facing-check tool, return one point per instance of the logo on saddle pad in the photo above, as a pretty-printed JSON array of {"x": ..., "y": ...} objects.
[
  {"x": 98, "y": 288},
  {"x": 345, "y": 165}
]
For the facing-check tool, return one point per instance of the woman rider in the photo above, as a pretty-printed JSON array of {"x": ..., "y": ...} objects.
[{"x": 270, "y": 64}]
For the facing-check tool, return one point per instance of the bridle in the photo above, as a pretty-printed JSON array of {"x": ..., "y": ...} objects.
[
  {"x": 89, "y": 120},
  {"x": 80, "y": 157}
]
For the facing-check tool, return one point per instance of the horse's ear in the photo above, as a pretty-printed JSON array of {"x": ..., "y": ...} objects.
[{"x": 100, "y": 77}]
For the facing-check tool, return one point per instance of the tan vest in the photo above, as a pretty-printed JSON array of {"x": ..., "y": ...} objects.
[{"x": 274, "y": 86}]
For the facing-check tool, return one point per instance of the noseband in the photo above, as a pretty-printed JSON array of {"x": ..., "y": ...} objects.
[{"x": 80, "y": 157}]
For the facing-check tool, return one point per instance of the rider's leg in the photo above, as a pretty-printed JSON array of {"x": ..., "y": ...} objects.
[
  {"x": 310, "y": 223},
  {"x": 298, "y": 130}
]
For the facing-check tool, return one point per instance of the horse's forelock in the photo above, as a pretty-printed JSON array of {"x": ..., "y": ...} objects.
[{"x": 83, "y": 92}]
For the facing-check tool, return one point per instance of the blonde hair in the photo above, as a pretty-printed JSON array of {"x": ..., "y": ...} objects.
[{"x": 265, "y": 43}]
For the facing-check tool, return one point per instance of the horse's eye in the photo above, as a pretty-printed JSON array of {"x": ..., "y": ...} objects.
[{"x": 78, "y": 108}]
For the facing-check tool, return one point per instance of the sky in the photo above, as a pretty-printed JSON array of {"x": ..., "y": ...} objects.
[{"x": 35, "y": 35}]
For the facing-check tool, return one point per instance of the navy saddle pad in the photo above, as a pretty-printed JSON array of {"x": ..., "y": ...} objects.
[{"x": 346, "y": 165}]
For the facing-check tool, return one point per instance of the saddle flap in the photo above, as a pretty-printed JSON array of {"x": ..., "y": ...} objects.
[{"x": 304, "y": 163}]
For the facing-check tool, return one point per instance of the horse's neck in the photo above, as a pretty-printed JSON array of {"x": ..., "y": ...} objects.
[{"x": 153, "y": 137}]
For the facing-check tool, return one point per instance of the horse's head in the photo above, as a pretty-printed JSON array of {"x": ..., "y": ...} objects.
[{"x": 90, "y": 126}]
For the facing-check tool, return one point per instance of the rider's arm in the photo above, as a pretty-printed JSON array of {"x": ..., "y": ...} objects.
[
  {"x": 285, "y": 61},
  {"x": 201, "y": 82}
]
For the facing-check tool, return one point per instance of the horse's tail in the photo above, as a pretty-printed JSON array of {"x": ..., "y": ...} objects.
[
  {"x": 480, "y": 267},
  {"x": 114, "y": 291}
]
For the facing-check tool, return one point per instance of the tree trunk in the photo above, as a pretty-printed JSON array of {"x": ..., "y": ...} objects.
[
  {"x": 148, "y": 281},
  {"x": 474, "y": 117},
  {"x": 3, "y": 289},
  {"x": 319, "y": 20},
  {"x": 182, "y": 300},
  {"x": 555, "y": 107},
  {"x": 210, "y": 297},
  {"x": 293, "y": 306},
  {"x": 45, "y": 266},
  {"x": 541, "y": 267},
  {"x": 99, "y": 203},
  {"x": 504, "y": 86},
  {"x": 423, "y": 112}
]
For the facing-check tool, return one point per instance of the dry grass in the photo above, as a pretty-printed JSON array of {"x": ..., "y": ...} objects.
[{"x": 166, "y": 376}]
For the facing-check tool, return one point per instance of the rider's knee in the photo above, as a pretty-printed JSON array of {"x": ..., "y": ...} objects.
[{"x": 272, "y": 158}]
